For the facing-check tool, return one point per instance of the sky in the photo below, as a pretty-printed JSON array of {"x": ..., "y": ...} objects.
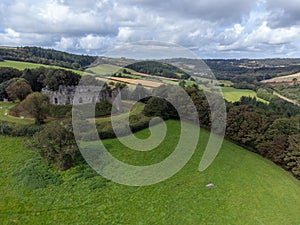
[{"x": 209, "y": 28}]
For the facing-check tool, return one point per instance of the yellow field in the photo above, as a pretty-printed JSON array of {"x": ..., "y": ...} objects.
[
  {"x": 147, "y": 83},
  {"x": 152, "y": 76},
  {"x": 284, "y": 79}
]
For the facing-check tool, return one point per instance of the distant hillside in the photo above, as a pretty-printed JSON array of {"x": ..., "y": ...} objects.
[
  {"x": 46, "y": 56},
  {"x": 158, "y": 69},
  {"x": 249, "y": 70}
]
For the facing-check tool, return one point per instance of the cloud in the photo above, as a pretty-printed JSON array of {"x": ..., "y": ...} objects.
[
  {"x": 263, "y": 38},
  {"x": 212, "y": 10},
  {"x": 284, "y": 13},
  {"x": 91, "y": 42},
  {"x": 54, "y": 17},
  {"x": 65, "y": 43},
  {"x": 211, "y": 28}
]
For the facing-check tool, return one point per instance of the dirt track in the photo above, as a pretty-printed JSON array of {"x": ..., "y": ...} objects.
[{"x": 286, "y": 99}]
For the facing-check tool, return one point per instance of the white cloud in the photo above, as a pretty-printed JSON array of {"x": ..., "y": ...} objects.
[
  {"x": 212, "y": 27},
  {"x": 65, "y": 44},
  {"x": 262, "y": 38},
  {"x": 10, "y": 37},
  {"x": 91, "y": 42}
]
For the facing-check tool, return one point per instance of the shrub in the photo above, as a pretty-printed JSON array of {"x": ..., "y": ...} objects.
[
  {"x": 136, "y": 123},
  {"x": 16, "y": 130},
  {"x": 59, "y": 111},
  {"x": 5, "y": 129}
]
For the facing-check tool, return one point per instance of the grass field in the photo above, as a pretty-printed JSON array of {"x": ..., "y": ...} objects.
[
  {"x": 248, "y": 189},
  {"x": 136, "y": 109},
  {"x": 26, "y": 65},
  {"x": 5, "y": 106},
  {"x": 4, "y": 110},
  {"x": 233, "y": 95},
  {"x": 104, "y": 69}
]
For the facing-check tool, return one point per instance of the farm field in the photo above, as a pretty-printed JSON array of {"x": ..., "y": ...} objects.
[
  {"x": 156, "y": 77},
  {"x": 283, "y": 79},
  {"x": 147, "y": 83},
  {"x": 27, "y": 65},
  {"x": 248, "y": 189},
  {"x": 232, "y": 94},
  {"x": 104, "y": 69}
]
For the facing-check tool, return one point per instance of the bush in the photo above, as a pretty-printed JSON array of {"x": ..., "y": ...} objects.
[
  {"x": 101, "y": 109},
  {"x": 59, "y": 111},
  {"x": 16, "y": 130},
  {"x": 264, "y": 94},
  {"x": 104, "y": 108},
  {"x": 5, "y": 129},
  {"x": 26, "y": 130},
  {"x": 136, "y": 123}
]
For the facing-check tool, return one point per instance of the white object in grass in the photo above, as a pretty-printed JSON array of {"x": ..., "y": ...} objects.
[{"x": 210, "y": 185}]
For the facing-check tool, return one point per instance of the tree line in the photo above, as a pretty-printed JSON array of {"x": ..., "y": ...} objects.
[
  {"x": 158, "y": 69},
  {"x": 36, "y": 78},
  {"x": 273, "y": 130},
  {"x": 47, "y": 56}
]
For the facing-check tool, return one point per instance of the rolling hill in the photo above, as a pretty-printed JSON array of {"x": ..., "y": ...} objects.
[
  {"x": 46, "y": 56},
  {"x": 283, "y": 79},
  {"x": 28, "y": 65},
  {"x": 248, "y": 189}
]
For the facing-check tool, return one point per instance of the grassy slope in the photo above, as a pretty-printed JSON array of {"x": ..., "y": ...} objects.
[
  {"x": 24, "y": 65},
  {"x": 4, "y": 108},
  {"x": 104, "y": 69},
  {"x": 233, "y": 95},
  {"x": 136, "y": 110},
  {"x": 249, "y": 190}
]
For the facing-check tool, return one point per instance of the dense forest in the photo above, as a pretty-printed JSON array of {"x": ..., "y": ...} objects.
[
  {"x": 238, "y": 74},
  {"x": 243, "y": 70},
  {"x": 159, "y": 69},
  {"x": 46, "y": 56}
]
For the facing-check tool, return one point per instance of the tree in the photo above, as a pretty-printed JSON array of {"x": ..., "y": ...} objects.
[
  {"x": 157, "y": 107},
  {"x": 37, "y": 105},
  {"x": 18, "y": 90},
  {"x": 295, "y": 81},
  {"x": 56, "y": 77},
  {"x": 8, "y": 73},
  {"x": 292, "y": 155},
  {"x": 33, "y": 76},
  {"x": 56, "y": 144}
]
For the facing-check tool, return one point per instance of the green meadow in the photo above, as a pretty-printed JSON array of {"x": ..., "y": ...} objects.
[
  {"x": 104, "y": 69},
  {"x": 232, "y": 94},
  {"x": 4, "y": 114},
  {"x": 248, "y": 189},
  {"x": 27, "y": 65}
]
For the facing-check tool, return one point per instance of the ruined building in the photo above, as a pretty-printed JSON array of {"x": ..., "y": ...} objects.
[{"x": 75, "y": 95}]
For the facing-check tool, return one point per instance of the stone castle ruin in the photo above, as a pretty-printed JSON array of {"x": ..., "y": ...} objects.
[{"x": 66, "y": 95}]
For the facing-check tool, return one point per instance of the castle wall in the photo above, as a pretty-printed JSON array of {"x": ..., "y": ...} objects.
[{"x": 85, "y": 94}]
